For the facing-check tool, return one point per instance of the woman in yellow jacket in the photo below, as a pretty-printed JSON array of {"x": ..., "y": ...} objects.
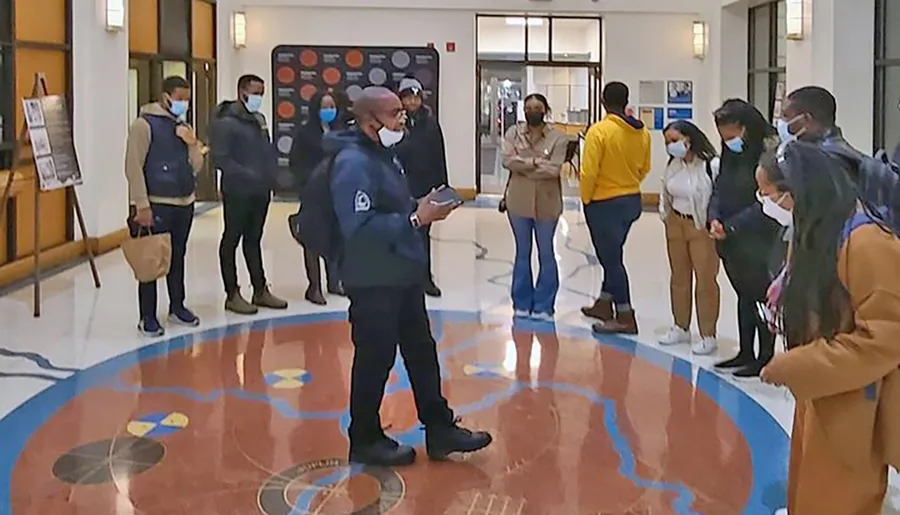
[{"x": 840, "y": 316}]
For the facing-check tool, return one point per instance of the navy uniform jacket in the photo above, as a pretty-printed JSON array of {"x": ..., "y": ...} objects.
[{"x": 373, "y": 204}]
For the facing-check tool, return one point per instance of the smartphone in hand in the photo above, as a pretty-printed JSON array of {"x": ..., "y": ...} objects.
[{"x": 447, "y": 196}]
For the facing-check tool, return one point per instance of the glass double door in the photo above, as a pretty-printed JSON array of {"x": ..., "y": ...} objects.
[{"x": 573, "y": 92}]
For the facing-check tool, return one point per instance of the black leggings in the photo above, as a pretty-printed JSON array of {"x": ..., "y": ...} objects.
[{"x": 750, "y": 279}]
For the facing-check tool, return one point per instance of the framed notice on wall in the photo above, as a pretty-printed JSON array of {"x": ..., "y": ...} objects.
[
  {"x": 52, "y": 145},
  {"x": 300, "y": 72}
]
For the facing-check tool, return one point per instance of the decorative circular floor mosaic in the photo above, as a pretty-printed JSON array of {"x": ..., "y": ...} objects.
[{"x": 252, "y": 418}]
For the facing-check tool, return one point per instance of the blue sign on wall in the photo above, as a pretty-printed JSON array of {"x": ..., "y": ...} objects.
[{"x": 680, "y": 113}]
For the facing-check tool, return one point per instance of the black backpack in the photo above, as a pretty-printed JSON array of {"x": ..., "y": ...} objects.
[{"x": 314, "y": 225}]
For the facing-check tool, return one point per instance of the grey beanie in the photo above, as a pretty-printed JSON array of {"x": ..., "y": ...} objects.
[{"x": 407, "y": 84}]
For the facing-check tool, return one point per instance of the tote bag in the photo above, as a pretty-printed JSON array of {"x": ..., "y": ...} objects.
[{"x": 148, "y": 255}]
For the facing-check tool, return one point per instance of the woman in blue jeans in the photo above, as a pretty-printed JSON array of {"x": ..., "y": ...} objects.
[{"x": 534, "y": 152}]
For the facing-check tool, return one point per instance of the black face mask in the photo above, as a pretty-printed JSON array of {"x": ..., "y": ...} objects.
[{"x": 534, "y": 119}]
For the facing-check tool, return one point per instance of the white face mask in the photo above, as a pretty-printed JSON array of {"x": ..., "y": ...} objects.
[
  {"x": 388, "y": 137},
  {"x": 677, "y": 149},
  {"x": 770, "y": 208}
]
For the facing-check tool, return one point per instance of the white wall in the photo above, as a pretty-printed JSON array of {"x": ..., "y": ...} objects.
[
  {"x": 630, "y": 58},
  {"x": 837, "y": 53},
  {"x": 268, "y": 27},
  {"x": 100, "y": 91},
  {"x": 515, "y": 6}
]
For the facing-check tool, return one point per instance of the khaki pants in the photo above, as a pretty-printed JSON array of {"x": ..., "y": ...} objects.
[
  {"x": 815, "y": 470},
  {"x": 692, "y": 255}
]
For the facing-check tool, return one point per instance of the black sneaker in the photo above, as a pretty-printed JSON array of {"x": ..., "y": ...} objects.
[
  {"x": 183, "y": 316},
  {"x": 751, "y": 371},
  {"x": 442, "y": 441},
  {"x": 432, "y": 290},
  {"x": 383, "y": 453},
  {"x": 735, "y": 362},
  {"x": 150, "y": 327},
  {"x": 337, "y": 289}
]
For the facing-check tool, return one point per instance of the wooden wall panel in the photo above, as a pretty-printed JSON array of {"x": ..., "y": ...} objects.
[
  {"x": 41, "y": 20},
  {"x": 204, "y": 34},
  {"x": 52, "y": 214},
  {"x": 143, "y": 26}
]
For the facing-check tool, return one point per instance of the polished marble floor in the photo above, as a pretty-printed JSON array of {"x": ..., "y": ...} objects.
[{"x": 248, "y": 415}]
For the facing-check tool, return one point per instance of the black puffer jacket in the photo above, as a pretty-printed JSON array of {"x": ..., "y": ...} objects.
[{"x": 422, "y": 153}]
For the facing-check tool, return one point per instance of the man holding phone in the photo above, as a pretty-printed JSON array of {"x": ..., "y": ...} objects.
[
  {"x": 162, "y": 158},
  {"x": 423, "y": 157},
  {"x": 382, "y": 262}
]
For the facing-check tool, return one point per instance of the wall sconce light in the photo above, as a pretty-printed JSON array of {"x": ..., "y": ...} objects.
[
  {"x": 794, "y": 18},
  {"x": 115, "y": 15},
  {"x": 239, "y": 29},
  {"x": 699, "y": 39}
]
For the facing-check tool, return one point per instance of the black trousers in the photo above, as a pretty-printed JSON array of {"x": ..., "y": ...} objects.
[
  {"x": 425, "y": 234},
  {"x": 750, "y": 279},
  {"x": 177, "y": 221},
  {"x": 380, "y": 319},
  {"x": 245, "y": 219}
]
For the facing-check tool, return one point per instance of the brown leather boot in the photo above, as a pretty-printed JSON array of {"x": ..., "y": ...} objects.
[
  {"x": 601, "y": 310},
  {"x": 625, "y": 323}
]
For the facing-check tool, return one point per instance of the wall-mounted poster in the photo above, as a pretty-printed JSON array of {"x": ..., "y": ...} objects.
[
  {"x": 680, "y": 113},
  {"x": 52, "y": 146},
  {"x": 652, "y": 91},
  {"x": 299, "y": 72},
  {"x": 681, "y": 92},
  {"x": 652, "y": 117}
]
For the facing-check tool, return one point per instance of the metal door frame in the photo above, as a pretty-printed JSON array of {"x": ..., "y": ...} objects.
[{"x": 594, "y": 72}]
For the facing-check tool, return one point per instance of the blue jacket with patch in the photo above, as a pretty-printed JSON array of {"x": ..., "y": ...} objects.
[{"x": 373, "y": 204}]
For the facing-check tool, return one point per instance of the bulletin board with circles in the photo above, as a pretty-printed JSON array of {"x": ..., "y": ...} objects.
[{"x": 299, "y": 72}]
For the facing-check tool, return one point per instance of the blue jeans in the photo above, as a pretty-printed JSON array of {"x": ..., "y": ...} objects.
[
  {"x": 609, "y": 222},
  {"x": 526, "y": 295}
]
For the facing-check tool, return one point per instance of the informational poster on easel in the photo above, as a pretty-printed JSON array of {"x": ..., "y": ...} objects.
[{"x": 48, "y": 128}]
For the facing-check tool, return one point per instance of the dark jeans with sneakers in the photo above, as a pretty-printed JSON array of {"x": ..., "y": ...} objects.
[
  {"x": 609, "y": 222},
  {"x": 380, "y": 319},
  {"x": 245, "y": 219},
  {"x": 177, "y": 221}
]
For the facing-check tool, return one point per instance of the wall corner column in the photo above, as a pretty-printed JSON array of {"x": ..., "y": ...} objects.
[{"x": 837, "y": 53}]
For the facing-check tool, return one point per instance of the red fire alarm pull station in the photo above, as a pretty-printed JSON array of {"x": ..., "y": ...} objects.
[{"x": 451, "y": 46}]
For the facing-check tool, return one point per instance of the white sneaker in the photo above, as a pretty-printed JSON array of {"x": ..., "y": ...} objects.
[
  {"x": 705, "y": 346},
  {"x": 675, "y": 336}
]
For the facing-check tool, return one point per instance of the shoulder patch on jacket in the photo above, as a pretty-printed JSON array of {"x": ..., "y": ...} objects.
[{"x": 362, "y": 203}]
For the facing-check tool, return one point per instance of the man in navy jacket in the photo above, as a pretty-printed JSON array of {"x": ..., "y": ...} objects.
[
  {"x": 382, "y": 264},
  {"x": 242, "y": 152}
]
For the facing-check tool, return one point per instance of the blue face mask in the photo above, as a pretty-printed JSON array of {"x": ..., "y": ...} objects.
[
  {"x": 254, "y": 103},
  {"x": 178, "y": 108},
  {"x": 327, "y": 115},
  {"x": 735, "y": 145}
]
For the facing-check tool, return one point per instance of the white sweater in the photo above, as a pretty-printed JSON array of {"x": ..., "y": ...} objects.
[{"x": 687, "y": 188}]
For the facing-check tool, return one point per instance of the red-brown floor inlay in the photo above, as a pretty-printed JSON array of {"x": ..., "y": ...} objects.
[{"x": 539, "y": 395}]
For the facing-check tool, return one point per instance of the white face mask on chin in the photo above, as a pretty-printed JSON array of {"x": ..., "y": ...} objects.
[
  {"x": 771, "y": 209},
  {"x": 388, "y": 137}
]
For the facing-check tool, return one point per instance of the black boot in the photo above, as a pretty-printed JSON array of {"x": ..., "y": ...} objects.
[
  {"x": 441, "y": 441},
  {"x": 383, "y": 453},
  {"x": 314, "y": 276},
  {"x": 335, "y": 287}
]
